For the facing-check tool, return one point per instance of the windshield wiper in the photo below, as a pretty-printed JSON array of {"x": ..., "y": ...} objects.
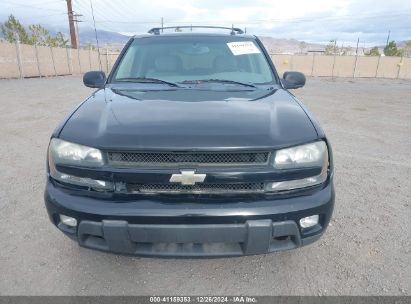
[
  {"x": 147, "y": 80},
  {"x": 220, "y": 81}
]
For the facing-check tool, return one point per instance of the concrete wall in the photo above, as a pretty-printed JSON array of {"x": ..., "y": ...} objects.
[
  {"x": 405, "y": 71},
  {"x": 18, "y": 60},
  {"x": 29, "y": 60},
  {"x": 9, "y": 67},
  {"x": 366, "y": 66},
  {"x": 344, "y": 66}
]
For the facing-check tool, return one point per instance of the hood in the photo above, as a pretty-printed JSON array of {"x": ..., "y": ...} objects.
[{"x": 128, "y": 119}]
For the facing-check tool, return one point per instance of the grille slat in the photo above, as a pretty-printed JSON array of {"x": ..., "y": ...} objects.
[
  {"x": 138, "y": 159},
  {"x": 222, "y": 188}
]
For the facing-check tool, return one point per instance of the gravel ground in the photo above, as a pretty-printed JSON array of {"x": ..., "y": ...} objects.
[{"x": 366, "y": 250}]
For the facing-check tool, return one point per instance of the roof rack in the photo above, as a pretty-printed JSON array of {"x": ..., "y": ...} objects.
[{"x": 234, "y": 30}]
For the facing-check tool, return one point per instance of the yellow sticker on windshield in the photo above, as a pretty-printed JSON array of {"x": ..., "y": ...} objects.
[{"x": 243, "y": 48}]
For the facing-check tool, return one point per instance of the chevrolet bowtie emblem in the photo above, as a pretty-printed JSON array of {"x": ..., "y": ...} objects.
[{"x": 188, "y": 178}]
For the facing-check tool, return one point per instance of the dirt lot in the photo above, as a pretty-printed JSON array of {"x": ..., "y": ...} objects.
[{"x": 367, "y": 249}]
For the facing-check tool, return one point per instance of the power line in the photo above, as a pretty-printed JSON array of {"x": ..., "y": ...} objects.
[
  {"x": 257, "y": 21},
  {"x": 85, "y": 10},
  {"x": 260, "y": 21},
  {"x": 51, "y": 15},
  {"x": 100, "y": 17},
  {"x": 109, "y": 6},
  {"x": 105, "y": 6},
  {"x": 30, "y": 6}
]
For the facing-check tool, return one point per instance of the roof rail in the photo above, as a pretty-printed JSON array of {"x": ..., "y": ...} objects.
[{"x": 234, "y": 30}]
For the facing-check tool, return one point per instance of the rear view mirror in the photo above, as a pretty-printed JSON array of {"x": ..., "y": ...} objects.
[
  {"x": 94, "y": 79},
  {"x": 293, "y": 80}
]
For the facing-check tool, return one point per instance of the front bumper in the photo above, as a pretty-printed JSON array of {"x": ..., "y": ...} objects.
[{"x": 150, "y": 227}]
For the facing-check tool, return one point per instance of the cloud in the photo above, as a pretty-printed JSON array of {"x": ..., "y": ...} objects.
[{"x": 314, "y": 20}]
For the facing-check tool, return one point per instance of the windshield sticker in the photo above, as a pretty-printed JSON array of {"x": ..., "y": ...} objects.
[{"x": 243, "y": 47}]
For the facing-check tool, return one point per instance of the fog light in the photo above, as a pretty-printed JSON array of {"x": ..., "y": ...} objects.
[
  {"x": 309, "y": 221},
  {"x": 69, "y": 221}
]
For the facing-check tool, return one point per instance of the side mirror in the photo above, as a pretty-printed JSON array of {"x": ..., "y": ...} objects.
[
  {"x": 293, "y": 80},
  {"x": 94, "y": 79}
]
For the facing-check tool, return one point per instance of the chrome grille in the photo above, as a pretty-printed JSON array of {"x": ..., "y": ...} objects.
[
  {"x": 187, "y": 158},
  {"x": 222, "y": 188}
]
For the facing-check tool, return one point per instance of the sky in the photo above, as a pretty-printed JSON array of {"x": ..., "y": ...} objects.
[{"x": 307, "y": 20}]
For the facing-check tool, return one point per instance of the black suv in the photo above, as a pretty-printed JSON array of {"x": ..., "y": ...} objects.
[{"x": 192, "y": 146}]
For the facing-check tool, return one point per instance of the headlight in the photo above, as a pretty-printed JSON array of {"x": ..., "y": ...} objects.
[
  {"x": 309, "y": 155},
  {"x": 304, "y": 156},
  {"x": 65, "y": 153}
]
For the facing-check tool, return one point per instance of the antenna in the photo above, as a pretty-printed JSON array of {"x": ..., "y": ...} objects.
[{"x": 95, "y": 32}]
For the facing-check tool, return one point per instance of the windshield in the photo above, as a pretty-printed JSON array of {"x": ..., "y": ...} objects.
[{"x": 195, "y": 59}]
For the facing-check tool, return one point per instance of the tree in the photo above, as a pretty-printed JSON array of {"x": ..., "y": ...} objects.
[
  {"x": 407, "y": 49},
  {"x": 373, "y": 52},
  {"x": 89, "y": 46},
  {"x": 57, "y": 41},
  {"x": 61, "y": 40},
  {"x": 39, "y": 35},
  {"x": 302, "y": 46},
  {"x": 345, "y": 50},
  {"x": 392, "y": 50},
  {"x": 12, "y": 29},
  {"x": 331, "y": 48}
]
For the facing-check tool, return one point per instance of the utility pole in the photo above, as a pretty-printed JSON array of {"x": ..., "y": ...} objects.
[
  {"x": 71, "y": 24},
  {"x": 162, "y": 24},
  {"x": 76, "y": 20}
]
